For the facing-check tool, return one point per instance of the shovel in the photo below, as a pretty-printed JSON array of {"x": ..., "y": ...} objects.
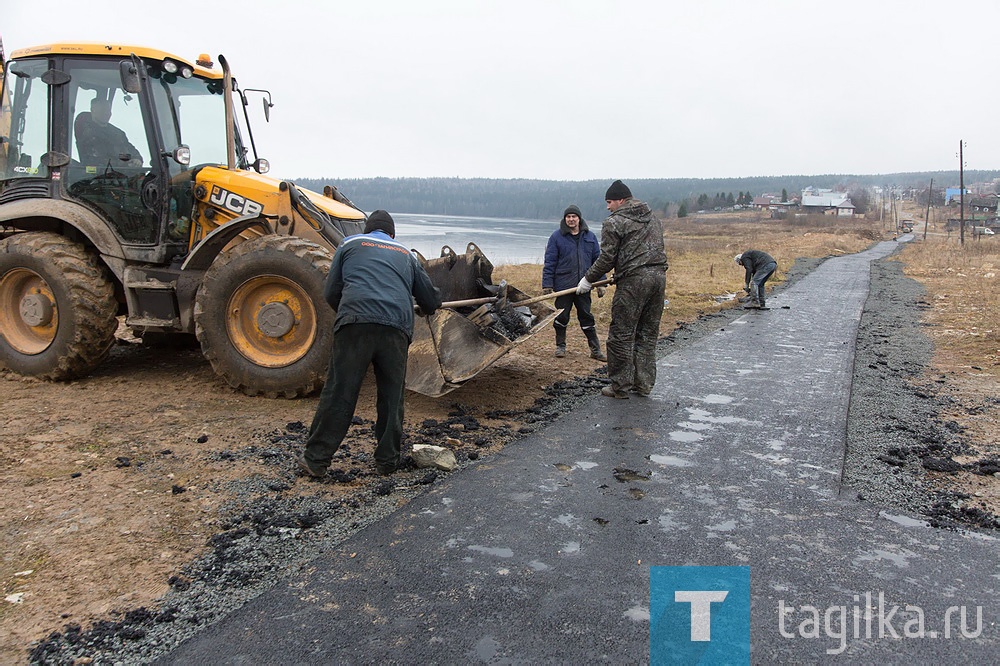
[
  {"x": 536, "y": 299},
  {"x": 556, "y": 294}
]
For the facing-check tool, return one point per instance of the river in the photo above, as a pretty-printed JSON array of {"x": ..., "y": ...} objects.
[{"x": 502, "y": 240}]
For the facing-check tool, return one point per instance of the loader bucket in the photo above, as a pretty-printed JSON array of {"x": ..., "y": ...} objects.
[{"x": 455, "y": 344}]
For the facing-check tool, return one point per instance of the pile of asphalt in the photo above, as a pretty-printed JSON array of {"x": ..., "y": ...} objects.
[{"x": 266, "y": 533}]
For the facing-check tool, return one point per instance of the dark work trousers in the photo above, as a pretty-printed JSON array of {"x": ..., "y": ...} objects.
[
  {"x": 757, "y": 280},
  {"x": 565, "y": 304},
  {"x": 635, "y": 327},
  {"x": 355, "y": 347}
]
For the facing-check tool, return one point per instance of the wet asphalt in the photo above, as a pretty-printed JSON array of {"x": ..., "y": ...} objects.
[{"x": 542, "y": 553}]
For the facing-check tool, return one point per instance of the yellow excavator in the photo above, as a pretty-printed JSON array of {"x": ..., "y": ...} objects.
[{"x": 130, "y": 185}]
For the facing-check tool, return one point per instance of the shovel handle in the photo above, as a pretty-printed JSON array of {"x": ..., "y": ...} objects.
[
  {"x": 537, "y": 299},
  {"x": 469, "y": 301},
  {"x": 556, "y": 294}
]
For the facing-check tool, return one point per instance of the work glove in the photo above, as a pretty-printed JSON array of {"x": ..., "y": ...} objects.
[
  {"x": 746, "y": 288},
  {"x": 600, "y": 292},
  {"x": 584, "y": 286},
  {"x": 546, "y": 291}
]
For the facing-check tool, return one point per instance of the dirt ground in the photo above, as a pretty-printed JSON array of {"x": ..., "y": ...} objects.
[{"x": 110, "y": 482}]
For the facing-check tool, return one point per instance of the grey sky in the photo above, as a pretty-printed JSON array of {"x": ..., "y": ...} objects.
[{"x": 584, "y": 89}]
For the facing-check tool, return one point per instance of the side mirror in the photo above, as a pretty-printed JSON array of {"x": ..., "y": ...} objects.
[
  {"x": 129, "y": 71},
  {"x": 266, "y": 99}
]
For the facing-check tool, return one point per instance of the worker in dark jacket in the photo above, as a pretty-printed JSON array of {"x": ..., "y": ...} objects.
[
  {"x": 99, "y": 142},
  {"x": 372, "y": 283},
  {"x": 571, "y": 250},
  {"x": 759, "y": 267},
  {"x": 632, "y": 245}
]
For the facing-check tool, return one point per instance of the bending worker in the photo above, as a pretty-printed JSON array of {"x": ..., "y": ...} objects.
[
  {"x": 372, "y": 283},
  {"x": 759, "y": 267}
]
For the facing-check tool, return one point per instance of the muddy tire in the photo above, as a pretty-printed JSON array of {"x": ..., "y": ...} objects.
[
  {"x": 57, "y": 307},
  {"x": 261, "y": 318}
]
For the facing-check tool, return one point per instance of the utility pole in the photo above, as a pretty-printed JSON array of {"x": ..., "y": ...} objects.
[
  {"x": 961, "y": 194},
  {"x": 927, "y": 217}
]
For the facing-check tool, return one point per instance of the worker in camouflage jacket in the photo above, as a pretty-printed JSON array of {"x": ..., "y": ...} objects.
[
  {"x": 631, "y": 246},
  {"x": 759, "y": 267}
]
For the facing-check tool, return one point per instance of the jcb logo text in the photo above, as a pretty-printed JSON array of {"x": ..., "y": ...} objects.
[{"x": 234, "y": 202}]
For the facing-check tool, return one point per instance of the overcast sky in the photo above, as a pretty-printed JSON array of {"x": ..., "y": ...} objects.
[{"x": 584, "y": 89}]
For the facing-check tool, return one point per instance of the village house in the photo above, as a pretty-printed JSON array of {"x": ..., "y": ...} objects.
[
  {"x": 773, "y": 203},
  {"x": 984, "y": 205},
  {"x": 826, "y": 202}
]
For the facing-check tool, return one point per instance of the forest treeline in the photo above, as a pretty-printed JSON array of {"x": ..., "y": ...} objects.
[{"x": 546, "y": 199}]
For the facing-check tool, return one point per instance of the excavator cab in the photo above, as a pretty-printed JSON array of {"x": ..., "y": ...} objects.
[
  {"x": 126, "y": 188},
  {"x": 120, "y": 148}
]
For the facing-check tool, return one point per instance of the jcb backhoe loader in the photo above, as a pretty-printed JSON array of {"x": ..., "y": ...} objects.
[{"x": 126, "y": 188}]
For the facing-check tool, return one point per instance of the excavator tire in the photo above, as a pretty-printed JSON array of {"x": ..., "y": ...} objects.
[
  {"x": 57, "y": 307},
  {"x": 261, "y": 318}
]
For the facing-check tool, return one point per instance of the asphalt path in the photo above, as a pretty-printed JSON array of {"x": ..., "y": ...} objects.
[{"x": 542, "y": 553}]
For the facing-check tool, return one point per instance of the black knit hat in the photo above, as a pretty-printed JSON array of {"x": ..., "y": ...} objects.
[
  {"x": 572, "y": 208},
  {"x": 618, "y": 190},
  {"x": 381, "y": 221}
]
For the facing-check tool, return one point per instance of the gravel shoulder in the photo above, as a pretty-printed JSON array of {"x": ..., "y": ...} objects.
[{"x": 905, "y": 450}]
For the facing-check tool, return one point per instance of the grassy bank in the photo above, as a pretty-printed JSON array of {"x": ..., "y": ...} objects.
[{"x": 962, "y": 287}]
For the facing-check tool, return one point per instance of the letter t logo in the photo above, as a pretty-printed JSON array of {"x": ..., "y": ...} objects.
[{"x": 701, "y": 610}]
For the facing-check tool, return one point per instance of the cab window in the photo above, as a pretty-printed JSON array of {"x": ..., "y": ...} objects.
[{"x": 24, "y": 120}]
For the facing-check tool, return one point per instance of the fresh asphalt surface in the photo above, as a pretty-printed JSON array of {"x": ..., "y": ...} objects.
[{"x": 542, "y": 552}]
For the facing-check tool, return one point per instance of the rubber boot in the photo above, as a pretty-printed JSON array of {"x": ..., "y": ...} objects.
[
  {"x": 595, "y": 345},
  {"x": 560, "y": 342}
]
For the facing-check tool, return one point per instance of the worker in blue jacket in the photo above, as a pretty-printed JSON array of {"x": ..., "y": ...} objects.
[
  {"x": 372, "y": 284},
  {"x": 571, "y": 250}
]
